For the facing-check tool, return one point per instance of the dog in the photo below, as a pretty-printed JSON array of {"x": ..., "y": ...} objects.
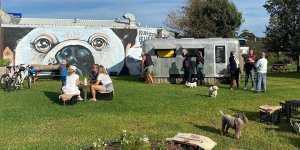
[
  {"x": 191, "y": 84},
  {"x": 236, "y": 122},
  {"x": 213, "y": 91}
]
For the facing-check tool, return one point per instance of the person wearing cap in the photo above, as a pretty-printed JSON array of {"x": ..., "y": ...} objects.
[{"x": 70, "y": 88}]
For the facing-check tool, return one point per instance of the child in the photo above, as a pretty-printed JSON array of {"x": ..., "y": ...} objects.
[{"x": 63, "y": 71}]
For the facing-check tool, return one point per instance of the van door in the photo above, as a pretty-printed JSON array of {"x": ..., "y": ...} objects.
[{"x": 220, "y": 60}]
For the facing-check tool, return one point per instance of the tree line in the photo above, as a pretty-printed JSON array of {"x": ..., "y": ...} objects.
[{"x": 221, "y": 18}]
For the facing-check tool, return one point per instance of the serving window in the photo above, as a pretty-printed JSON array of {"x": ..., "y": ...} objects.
[
  {"x": 166, "y": 53},
  {"x": 192, "y": 52},
  {"x": 220, "y": 54}
]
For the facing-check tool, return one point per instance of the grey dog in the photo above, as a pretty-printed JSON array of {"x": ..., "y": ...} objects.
[{"x": 236, "y": 122}]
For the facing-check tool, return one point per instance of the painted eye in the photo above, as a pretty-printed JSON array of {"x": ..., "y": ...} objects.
[
  {"x": 44, "y": 43},
  {"x": 98, "y": 41}
]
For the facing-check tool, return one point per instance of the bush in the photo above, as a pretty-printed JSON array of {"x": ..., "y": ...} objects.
[
  {"x": 283, "y": 58},
  {"x": 4, "y": 62}
]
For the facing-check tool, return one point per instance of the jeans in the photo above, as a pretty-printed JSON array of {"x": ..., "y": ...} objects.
[
  {"x": 261, "y": 84},
  {"x": 249, "y": 75},
  {"x": 200, "y": 74}
]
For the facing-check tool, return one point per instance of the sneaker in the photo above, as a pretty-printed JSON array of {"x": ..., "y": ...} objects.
[
  {"x": 245, "y": 88},
  {"x": 79, "y": 98},
  {"x": 93, "y": 100}
]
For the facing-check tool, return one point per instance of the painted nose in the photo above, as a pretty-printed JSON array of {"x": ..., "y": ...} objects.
[{"x": 76, "y": 55}]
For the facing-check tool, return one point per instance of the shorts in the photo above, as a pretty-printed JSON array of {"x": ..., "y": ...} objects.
[
  {"x": 148, "y": 69},
  {"x": 107, "y": 88}
]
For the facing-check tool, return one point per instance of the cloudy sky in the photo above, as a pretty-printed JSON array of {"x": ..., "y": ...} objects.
[{"x": 148, "y": 12}]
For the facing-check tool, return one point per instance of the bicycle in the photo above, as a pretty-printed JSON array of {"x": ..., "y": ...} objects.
[
  {"x": 16, "y": 81},
  {"x": 6, "y": 80}
]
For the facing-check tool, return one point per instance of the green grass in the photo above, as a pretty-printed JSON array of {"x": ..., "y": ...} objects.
[{"x": 32, "y": 119}]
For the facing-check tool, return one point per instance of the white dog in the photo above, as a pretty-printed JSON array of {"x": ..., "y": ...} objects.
[
  {"x": 213, "y": 91},
  {"x": 191, "y": 84}
]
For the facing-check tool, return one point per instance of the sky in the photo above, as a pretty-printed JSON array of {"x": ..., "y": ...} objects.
[{"x": 148, "y": 12}]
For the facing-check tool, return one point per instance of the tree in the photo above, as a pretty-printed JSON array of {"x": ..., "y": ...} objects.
[
  {"x": 206, "y": 18},
  {"x": 283, "y": 31},
  {"x": 246, "y": 34}
]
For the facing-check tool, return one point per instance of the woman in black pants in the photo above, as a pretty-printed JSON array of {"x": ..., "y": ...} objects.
[
  {"x": 234, "y": 71},
  {"x": 187, "y": 67}
]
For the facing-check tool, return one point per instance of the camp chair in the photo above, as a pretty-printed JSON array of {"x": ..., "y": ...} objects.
[{"x": 108, "y": 96}]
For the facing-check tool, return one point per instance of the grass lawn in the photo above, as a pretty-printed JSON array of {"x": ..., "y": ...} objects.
[{"x": 32, "y": 118}]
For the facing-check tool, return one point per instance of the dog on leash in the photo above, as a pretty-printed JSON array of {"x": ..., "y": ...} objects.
[
  {"x": 213, "y": 91},
  {"x": 191, "y": 84},
  {"x": 236, "y": 122}
]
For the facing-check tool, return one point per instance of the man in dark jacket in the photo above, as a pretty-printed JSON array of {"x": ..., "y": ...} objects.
[
  {"x": 187, "y": 67},
  {"x": 199, "y": 68},
  {"x": 234, "y": 70}
]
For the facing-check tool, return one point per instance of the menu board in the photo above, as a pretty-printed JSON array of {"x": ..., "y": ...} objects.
[{"x": 220, "y": 54}]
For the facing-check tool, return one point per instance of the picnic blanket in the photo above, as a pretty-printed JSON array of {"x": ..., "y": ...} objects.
[{"x": 194, "y": 140}]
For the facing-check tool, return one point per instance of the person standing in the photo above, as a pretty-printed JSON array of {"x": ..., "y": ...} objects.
[
  {"x": 63, "y": 71},
  {"x": 200, "y": 66},
  {"x": 249, "y": 68},
  {"x": 261, "y": 68},
  {"x": 148, "y": 66},
  {"x": 187, "y": 66},
  {"x": 234, "y": 71}
]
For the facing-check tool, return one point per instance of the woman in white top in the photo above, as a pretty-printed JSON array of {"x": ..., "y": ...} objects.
[
  {"x": 70, "y": 88},
  {"x": 103, "y": 83}
]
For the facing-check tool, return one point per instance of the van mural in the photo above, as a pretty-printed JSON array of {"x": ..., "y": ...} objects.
[{"x": 116, "y": 49}]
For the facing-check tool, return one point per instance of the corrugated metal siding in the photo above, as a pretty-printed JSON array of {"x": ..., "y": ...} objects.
[{"x": 163, "y": 67}]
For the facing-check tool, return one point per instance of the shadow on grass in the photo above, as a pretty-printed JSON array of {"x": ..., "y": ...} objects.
[
  {"x": 207, "y": 128},
  {"x": 295, "y": 141},
  {"x": 128, "y": 78},
  {"x": 282, "y": 126},
  {"x": 253, "y": 116},
  {"x": 294, "y": 75},
  {"x": 52, "y": 96},
  {"x": 203, "y": 95},
  {"x": 212, "y": 130}
]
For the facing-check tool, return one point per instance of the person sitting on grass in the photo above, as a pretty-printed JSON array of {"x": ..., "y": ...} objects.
[
  {"x": 103, "y": 84},
  {"x": 63, "y": 71},
  {"x": 70, "y": 88},
  {"x": 94, "y": 73}
]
